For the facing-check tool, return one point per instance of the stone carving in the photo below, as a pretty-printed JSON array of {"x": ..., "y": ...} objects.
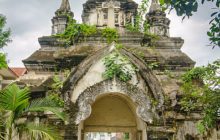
[
  {"x": 144, "y": 109},
  {"x": 61, "y": 19},
  {"x": 111, "y": 4},
  {"x": 110, "y": 9},
  {"x": 158, "y": 20}
]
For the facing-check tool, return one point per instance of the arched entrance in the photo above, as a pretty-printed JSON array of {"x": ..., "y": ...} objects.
[{"x": 113, "y": 114}]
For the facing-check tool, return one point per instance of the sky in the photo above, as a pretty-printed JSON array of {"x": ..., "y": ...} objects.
[{"x": 30, "y": 19}]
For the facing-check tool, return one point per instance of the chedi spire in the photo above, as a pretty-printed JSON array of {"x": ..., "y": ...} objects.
[
  {"x": 156, "y": 18},
  {"x": 155, "y": 6},
  {"x": 64, "y": 8},
  {"x": 63, "y": 14}
]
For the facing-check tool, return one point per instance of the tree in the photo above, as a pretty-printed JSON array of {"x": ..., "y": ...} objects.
[
  {"x": 15, "y": 104},
  {"x": 186, "y": 8},
  {"x": 4, "y": 40},
  {"x": 201, "y": 87}
]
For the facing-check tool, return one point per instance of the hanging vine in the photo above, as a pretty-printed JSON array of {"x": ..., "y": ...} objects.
[{"x": 139, "y": 24}]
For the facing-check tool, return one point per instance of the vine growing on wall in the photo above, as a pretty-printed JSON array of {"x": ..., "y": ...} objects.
[
  {"x": 201, "y": 87},
  {"x": 74, "y": 31},
  {"x": 139, "y": 24},
  {"x": 54, "y": 92},
  {"x": 118, "y": 66}
]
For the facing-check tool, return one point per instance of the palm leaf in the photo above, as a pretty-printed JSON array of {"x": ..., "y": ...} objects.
[
  {"x": 41, "y": 131},
  {"x": 46, "y": 104},
  {"x": 15, "y": 99}
]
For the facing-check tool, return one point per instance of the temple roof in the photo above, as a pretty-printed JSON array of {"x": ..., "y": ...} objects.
[
  {"x": 19, "y": 71},
  {"x": 41, "y": 55}
]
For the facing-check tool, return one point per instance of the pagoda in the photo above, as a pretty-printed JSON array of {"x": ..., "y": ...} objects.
[{"x": 146, "y": 107}]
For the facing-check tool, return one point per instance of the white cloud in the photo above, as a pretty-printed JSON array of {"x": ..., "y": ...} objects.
[{"x": 194, "y": 32}]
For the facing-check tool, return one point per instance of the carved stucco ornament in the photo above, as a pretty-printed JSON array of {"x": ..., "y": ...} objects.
[{"x": 144, "y": 109}]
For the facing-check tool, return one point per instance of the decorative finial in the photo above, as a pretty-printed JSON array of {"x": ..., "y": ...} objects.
[
  {"x": 62, "y": 15},
  {"x": 155, "y": 6},
  {"x": 65, "y": 6},
  {"x": 64, "y": 9}
]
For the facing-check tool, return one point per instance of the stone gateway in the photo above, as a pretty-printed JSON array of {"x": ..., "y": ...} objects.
[{"x": 146, "y": 107}]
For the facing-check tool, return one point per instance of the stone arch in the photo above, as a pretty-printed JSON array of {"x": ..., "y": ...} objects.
[
  {"x": 147, "y": 74},
  {"x": 144, "y": 109},
  {"x": 112, "y": 110}
]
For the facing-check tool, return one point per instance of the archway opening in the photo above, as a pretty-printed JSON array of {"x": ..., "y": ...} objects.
[{"x": 113, "y": 117}]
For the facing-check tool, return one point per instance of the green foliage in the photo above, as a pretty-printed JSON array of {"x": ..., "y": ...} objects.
[
  {"x": 126, "y": 136},
  {"x": 190, "y": 101},
  {"x": 87, "y": 30},
  {"x": 46, "y": 104},
  {"x": 196, "y": 73},
  {"x": 14, "y": 104},
  {"x": 188, "y": 8},
  {"x": 143, "y": 26},
  {"x": 119, "y": 46},
  {"x": 4, "y": 34},
  {"x": 153, "y": 65},
  {"x": 214, "y": 31},
  {"x": 201, "y": 92},
  {"x": 74, "y": 31},
  {"x": 146, "y": 28},
  {"x": 110, "y": 34},
  {"x": 132, "y": 28},
  {"x": 118, "y": 66},
  {"x": 139, "y": 18},
  {"x": 149, "y": 39},
  {"x": 41, "y": 131},
  {"x": 3, "y": 62},
  {"x": 55, "y": 91},
  {"x": 4, "y": 40}
]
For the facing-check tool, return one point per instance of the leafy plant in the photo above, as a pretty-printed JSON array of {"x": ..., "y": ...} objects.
[
  {"x": 126, "y": 136},
  {"x": 118, "y": 66},
  {"x": 149, "y": 39},
  {"x": 110, "y": 34},
  {"x": 14, "y": 104},
  {"x": 74, "y": 31},
  {"x": 4, "y": 34},
  {"x": 132, "y": 28},
  {"x": 4, "y": 40},
  {"x": 214, "y": 31},
  {"x": 201, "y": 92},
  {"x": 55, "y": 91},
  {"x": 153, "y": 65},
  {"x": 139, "y": 18},
  {"x": 3, "y": 62}
]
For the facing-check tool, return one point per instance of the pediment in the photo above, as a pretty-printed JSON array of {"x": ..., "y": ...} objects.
[{"x": 90, "y": 72}]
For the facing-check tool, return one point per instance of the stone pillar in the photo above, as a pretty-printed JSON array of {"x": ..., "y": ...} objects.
[
  {"x": 111, "y": 17},
  {"x": 133, "y": 135},
  {"x": 71, "y": 129},
  {"x": 59, "y": 24}
]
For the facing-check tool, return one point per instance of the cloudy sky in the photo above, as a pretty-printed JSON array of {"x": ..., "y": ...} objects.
[{"x": 30, "y": 19}]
